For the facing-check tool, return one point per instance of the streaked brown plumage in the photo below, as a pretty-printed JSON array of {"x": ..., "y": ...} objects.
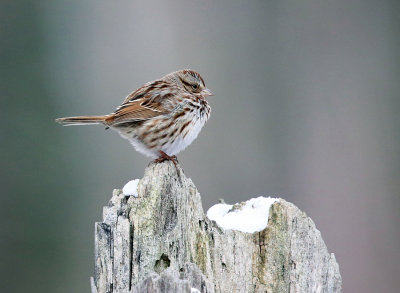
[{"x": 161, "y": 118}]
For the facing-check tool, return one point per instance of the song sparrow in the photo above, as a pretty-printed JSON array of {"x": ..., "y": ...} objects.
[{"x": 161, "y": 118}]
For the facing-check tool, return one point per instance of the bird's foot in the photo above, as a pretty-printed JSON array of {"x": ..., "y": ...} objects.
[{"x": 164, "y": 157}]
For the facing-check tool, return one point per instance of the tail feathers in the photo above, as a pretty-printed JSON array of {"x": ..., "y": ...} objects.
[{"x": 81, "y": 120}]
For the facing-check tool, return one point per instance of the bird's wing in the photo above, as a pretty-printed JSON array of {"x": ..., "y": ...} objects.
[
  {"x": 134, "y": 111},
  {"x": 139, "y": 93},
  {"x": 145, "y": 103},
  {"x": 148, "y": 90}
]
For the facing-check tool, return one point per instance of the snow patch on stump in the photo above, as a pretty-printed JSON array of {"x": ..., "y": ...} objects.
[
  {"x": 249, "y": 216},
  {"x": 130, "y": 188}
]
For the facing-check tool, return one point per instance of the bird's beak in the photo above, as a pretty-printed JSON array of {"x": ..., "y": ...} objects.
[{"x": 206, "y": 92}]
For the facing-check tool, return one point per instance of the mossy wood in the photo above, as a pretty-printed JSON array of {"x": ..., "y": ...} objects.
[{"x": 161, "y": 241}]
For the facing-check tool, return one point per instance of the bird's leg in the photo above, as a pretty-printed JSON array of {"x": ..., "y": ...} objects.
[{"x": 164, "y": 157}]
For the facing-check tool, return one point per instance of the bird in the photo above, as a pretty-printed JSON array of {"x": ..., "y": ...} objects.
[{"x": 161, "y": 118}]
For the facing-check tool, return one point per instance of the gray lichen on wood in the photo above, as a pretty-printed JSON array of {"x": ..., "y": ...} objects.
[{"x": 161, "y": 241}]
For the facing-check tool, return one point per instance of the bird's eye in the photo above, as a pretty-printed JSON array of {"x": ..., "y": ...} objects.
[{"x": 195, "y": 86}]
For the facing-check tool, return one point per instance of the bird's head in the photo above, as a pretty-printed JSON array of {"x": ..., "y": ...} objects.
[{"x": 192, "y": 82}]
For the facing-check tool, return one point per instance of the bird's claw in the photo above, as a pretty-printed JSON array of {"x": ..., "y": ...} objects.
[{"x": 164, "y": 157}]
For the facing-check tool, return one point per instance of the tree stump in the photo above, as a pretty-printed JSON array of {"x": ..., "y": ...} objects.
[{"x": 162, "y": 241}]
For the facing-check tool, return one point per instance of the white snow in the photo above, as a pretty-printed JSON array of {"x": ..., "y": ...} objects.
[
  {"x": 251, "y": 217},
  {"x": 130, "y": 188},
  {"x": 194, "y": 290}
]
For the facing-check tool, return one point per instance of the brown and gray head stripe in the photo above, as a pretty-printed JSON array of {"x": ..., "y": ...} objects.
[{"x": 195, "y": 75}]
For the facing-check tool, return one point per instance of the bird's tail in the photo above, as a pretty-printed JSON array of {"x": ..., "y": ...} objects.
[{"x": 82, "y": 120}]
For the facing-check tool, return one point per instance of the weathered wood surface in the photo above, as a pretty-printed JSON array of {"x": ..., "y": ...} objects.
[{"x": 161, "y": 241}]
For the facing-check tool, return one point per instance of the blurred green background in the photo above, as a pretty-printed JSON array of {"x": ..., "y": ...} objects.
[{"x": 306, "y": 108}]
